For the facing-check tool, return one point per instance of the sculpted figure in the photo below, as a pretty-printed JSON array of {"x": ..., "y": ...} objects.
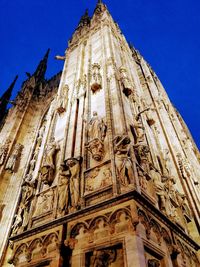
[
  {"x": 63, "y": 190},
  {"x": 27, "y": 195},
  {"x": 63, "y": 99},
  {"x": 159, "y": 187},
  {"x": 140, "y": 131},
  {"x": 96, "y": 79},
  {"x": 167, "y": 164},
  {"x": 122, "y": 159},
  {"x": 48, "y": 167},
  {"x": 142, "y": 152},
  {"x": 18, "y": 222},
  {"x": 12, "y": 161},
  {"x": 96, "y": 127},
  {"x": 128, "y": 87},
  {"x": 74, "y": 168},
  {"x": 40, "y": 134},
  {"x": 3, "y": 152}
]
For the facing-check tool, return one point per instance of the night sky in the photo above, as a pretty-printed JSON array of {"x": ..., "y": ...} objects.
[{"x": 167, "y": 34}]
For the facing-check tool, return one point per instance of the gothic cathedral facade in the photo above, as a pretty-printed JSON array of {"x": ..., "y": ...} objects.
[{"x": 97, "y": 167}]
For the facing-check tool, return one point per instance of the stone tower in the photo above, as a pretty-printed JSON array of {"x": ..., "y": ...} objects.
[{"x": 100, "y": 170}]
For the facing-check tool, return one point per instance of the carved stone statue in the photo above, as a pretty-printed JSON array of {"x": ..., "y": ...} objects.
[
  {"x": 140, "y": 131},
  {"x": 96, "y": 128},
  {"x": 142, "y": 153},
  {"x": 74, "y": 165},
  {"x": 127, "y": 86},
  {"x": 41, "y": 134},
  {"x": 167, "y": 164},
  {"x": 3, "y": 152},
  {"x": 18, "y": 222},
  {"x": 63, "y": 190},
  {"x": 13, "y": 159},
  {"x": 122, "y": 159},
  {"x": 159, "y": 187},
  {"x": 96, "y": 79},
  {"x": 48, "y": 167},
  {"x": 63, "y": 99}
]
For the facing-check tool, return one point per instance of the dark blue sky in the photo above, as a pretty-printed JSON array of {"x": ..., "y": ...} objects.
[{"x": 167, "y": 33}]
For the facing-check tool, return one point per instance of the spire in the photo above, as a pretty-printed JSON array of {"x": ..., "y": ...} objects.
[
  {"x": 100, "y": 6},
  {"x": 41, "y": 69},
  {"x": 4, "y": 100},
  {"x": 85, "y": 19}
]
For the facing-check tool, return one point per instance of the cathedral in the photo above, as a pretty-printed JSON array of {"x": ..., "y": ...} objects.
[{"x": 97, "y": 167}]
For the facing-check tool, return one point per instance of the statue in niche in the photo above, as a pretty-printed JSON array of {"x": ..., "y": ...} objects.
[
  {"x": 40, "y": 135},
  {"x": 28, "y": 190},
  {"x": 127, "y": 86},
  {"x": 74, "y": 165},
  {"x": 142, "y": 154},
  {"x": 96, "y": 79},
  {"x": 3, "y": 151},
  {"x": 167, "y": 164},
  {"x": 13, "y": 159},
  {"x": 159, "y": 187},
  {"x": 63, "y": 99},
  {"x": 122, "y": 159},
  {"x": 96, "y": 134},
  {"x": 96, "y": 128},
  {"x": 103, "y": 258},
  {"x": 48, "y": 167},
  {"x": 140, "y": 131},
  {"x": 63, "y": 190},
  {"x": 170, "y": 189},
  {"x": 153, "y": 263},
  {"x": 17, "y": 222}
]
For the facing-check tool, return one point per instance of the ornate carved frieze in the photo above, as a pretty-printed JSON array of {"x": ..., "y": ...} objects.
[
  {"x": 98, "y": 178},
  {"x": 44, "y": 249}
]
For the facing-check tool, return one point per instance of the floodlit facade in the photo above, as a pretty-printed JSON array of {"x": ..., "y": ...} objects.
[{"x": 97, "y": 167}]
